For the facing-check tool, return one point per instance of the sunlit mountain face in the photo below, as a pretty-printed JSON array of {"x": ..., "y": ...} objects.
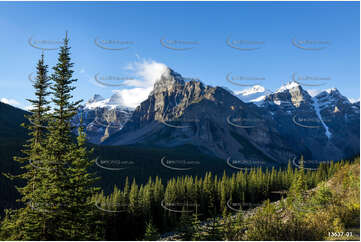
[{"x": 284, "y": 123}]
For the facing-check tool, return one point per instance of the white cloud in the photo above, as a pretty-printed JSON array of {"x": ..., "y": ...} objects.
[
  {"x": 147, "y": 73},
  {"x": 133, "y": 97},
  {"x": 143, "y": 73},
  {"x": 10, "y": 101}
]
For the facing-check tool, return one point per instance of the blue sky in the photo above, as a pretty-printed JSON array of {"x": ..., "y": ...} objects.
[{"x": 205, "y": 27}]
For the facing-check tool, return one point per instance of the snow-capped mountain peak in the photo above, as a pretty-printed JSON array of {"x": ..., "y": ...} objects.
[
  {"x": 255, "y": 94},
  {"x": 115, "y": 99},
  {"x": 252, "y": 90},
  {"x": 330, "y": 90},
  {"x": 96, "y": 98},
  {"x": 332, "y": 96},
  {"x": 288, "y": 86},
  {"x": 97, "y": 101},
  {"x": 103, "y": 117}
]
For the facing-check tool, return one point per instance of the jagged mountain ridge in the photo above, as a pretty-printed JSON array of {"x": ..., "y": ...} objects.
[
  {"x": 255, "y": 94},
  {"x": 102, "y": 117},
  {"x": 319, "y": 131},
  {"x": 181, "y": 112}
]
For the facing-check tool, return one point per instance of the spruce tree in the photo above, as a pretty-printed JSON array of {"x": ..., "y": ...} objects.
[
  {"x": 196, "y": 227},
  {"x": 185, "y": 225},
  {"x": 299, "y": 184},
  {"x": 151, "y": 232},
  {"x": 66, "y": 185},
  {"x": 214, "y": 229},
  {"x": 26, "y": 223},
  {"x": 223, "y": 191},
  {"x": 296, "y": 193},
  {"x": 134, "y": 199}
]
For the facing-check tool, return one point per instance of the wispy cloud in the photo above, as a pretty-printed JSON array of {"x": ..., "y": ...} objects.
[{"x": 147, "y": 73}]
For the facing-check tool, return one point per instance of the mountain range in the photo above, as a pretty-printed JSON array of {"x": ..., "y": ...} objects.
[{"x": 253, "y": 124}]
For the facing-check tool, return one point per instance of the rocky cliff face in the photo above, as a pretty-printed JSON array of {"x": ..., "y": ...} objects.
[
  {"x": 322, "y": 127},
  {"x": 102, "y": 117},
  {"x": 179, "y": 112},
  {"x": 286, "y": 123}
]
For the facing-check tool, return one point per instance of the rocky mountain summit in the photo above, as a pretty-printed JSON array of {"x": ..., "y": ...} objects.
[
  {"x": 180, "y": 112},
  {"x": 255, "y": 94},
  {"x": 283, "y": 124},
  {"x": 102, "y": 117},
  {"x": 323, "y": 127}
]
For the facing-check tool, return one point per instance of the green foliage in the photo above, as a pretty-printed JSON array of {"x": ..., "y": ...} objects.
[
  {"x": 185, "y": 227},
  {"x": 209, "y": 192},
  {"x": 26, "y": 222},
  {"x": 238, "y": 228},
  {"x": 230, "y": 231},
  {"x": 266, "y": 224},
  {"x": 132, "y": 207},
  {"x": 213, "y": 230},
  {"x": 58, "y": 187},
  {"x": 322, "y": 196},
  {"x": 197, "y": 228},
  {"x": 151, "y": 232},
  {"x": 331, "y": 207}
]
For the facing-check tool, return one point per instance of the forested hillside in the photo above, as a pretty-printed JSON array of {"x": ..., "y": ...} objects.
[
  {"x": 330, "y": 211},
  {"x": 68, "y": 189},
  {"x": 178, "y": 202}
]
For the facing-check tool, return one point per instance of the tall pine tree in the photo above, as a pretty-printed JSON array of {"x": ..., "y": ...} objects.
[
  {"x": 26, "y": 223},
  {"x": 59, "y": 188},
  {"x": 68, "y": 187}
]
